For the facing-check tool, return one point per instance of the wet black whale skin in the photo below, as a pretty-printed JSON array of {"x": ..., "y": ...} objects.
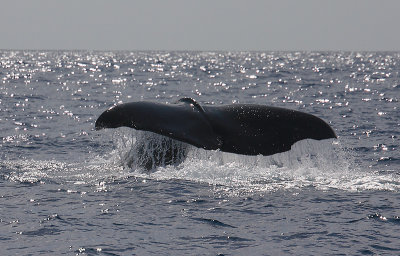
[{"x": 246, "y": 129}]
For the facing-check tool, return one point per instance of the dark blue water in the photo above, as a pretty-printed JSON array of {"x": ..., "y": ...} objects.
[{"x": 68, "y": 190}]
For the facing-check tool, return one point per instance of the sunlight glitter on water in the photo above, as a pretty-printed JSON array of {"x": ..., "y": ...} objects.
[{"x": 72, "y": 188}]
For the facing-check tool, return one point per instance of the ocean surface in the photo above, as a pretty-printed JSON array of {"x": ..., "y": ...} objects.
[{"x": 66, "y": 189}]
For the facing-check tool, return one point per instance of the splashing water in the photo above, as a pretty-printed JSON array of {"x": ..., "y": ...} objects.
[{"x": 320, "y": 164}]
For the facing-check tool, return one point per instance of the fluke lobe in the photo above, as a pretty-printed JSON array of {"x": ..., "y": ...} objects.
[{"x": 239, "y": 128}]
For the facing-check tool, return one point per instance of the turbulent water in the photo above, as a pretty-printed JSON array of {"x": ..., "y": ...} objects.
[{"x": 67, "y": 189}]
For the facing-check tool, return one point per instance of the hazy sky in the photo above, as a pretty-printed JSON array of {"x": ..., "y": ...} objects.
[{"x": 200, "y": 25}]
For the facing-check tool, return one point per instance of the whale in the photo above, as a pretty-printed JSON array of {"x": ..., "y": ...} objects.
[{"x": 246, "y": 129}]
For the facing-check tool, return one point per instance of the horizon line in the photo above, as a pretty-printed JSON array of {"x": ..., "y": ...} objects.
[{"x": 194, "y": 50}]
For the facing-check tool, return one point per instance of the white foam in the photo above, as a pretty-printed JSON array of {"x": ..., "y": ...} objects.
[
  {"x": 323, "y": 165},
  {"x": 320, "y": 164}
]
